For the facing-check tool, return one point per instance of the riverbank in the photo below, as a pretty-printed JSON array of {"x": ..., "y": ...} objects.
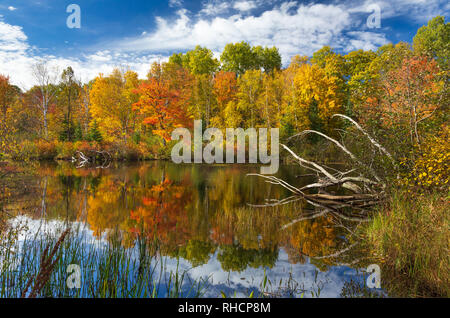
[
  {"x": 63, "y": 150},
  {"x": 410, "y": 234}
]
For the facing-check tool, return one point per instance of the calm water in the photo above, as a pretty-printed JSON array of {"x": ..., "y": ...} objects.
[{"x": 203, "y": 217}]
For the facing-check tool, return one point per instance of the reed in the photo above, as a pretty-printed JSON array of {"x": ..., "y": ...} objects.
[{"x": 108, "y": 270}]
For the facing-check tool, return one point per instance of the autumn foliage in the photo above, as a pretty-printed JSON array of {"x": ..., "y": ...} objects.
[{"x": 161, "y": 107}]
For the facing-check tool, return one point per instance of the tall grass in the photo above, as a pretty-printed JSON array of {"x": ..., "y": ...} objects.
[
  {"x": 108, "y": 270},
  {"x": 411, "y": 235}
]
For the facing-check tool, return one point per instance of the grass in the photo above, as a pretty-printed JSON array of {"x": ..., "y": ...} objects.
[
  {"x": 38, "y": 268},
  {"x": 107, "y": 270},
  {"x": 411, "y": 236}
]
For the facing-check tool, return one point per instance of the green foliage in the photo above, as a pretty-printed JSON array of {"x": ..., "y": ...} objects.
[
  {"x": 94, "y": 133},
  {"x": 136, "y": 137},
  {"x": 241, "y": 57},
  {"x": 433, "y": 40},
  {"x": 238, "y": 58},
  {"x": 236, "y": 258},
  {"x": 269, "y": 59},
  {"x": 78, "y": 133},
  {"x": 199, "y": 61},
  {"x": 68, "y": 131}
]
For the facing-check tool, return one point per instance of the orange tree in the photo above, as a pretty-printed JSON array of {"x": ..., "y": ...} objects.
[{"x": 161, "y": 107}]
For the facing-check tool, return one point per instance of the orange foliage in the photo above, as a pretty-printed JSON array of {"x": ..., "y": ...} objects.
[{"x": 161, "y": 106}]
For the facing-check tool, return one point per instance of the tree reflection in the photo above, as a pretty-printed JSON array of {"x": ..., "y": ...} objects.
[{"x": 193, "y": 211}]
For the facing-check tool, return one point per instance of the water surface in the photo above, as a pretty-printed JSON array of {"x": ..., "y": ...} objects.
[{"x": 204, "y": 218}]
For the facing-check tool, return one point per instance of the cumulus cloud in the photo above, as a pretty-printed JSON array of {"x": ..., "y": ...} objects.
[
  {"x": 17, "y": 58},
  {"x": 244, "y": 5},
  {"x": 293, "y": 28},
  {"x": 11, "y": 8},
  {"x": 365, "y": 41},
  {"x": 214, "y": 8}
]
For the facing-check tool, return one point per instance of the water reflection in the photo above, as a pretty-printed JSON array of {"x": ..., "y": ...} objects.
[{"x": 200, "y": 215}]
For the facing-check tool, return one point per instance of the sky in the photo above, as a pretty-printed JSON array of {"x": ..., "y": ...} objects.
[{"x": 133, "y": 34}]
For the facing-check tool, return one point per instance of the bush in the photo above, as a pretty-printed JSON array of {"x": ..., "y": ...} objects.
[
  {"x": 430, "y": 171},
  {"x": 65, "y": 150},
  {"x": 46, "y": 150},
  {"x": 27, "y": 150},
  {"x": 122, "y": 151},
  {"x": 86, "y": 147}
]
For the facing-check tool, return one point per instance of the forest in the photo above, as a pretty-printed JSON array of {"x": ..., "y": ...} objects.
[{"x": 399, "y": 94}]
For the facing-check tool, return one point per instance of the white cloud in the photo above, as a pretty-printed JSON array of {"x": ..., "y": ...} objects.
[
  {"x": 12, "y": 38},
  {"x": 416, "y": 10},
  {"x": 214, "y": 8},
  {"x": 17, "y": 58},
  {"x": 293, "y": 28},
  {"x": 244, "y": 5},
  {"x": 175, "y": 3},
  {"x": 365, "y": 41},
  {"x": 11, "y": 8}
]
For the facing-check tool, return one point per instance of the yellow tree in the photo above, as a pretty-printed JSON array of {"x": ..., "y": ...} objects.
[
  {"x": 250, "y": 87},
  {"x": 359, "y": 82},
  {"x": 271, "y": 98},
  {"x": 111, "y": 100},
  {"x": 225, "y": 90},
  {"x": 290, "y": 120},
  {"x": 203, "y": 97},
  {"x": 318, "y": 96}
]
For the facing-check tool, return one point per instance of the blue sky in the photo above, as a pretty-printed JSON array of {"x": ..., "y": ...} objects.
[{"x": 135, "y": 33}]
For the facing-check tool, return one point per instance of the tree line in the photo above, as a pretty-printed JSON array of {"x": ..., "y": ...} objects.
[{"x": 399, "y": 87}]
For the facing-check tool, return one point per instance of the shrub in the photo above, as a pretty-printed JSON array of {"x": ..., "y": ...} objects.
[
  {"x": 65, "y": 150},
  {"x": 86, "y": 147},
  {"x": 46, "y": 150},
  {"x": 27, "y": 150},
  {"x": 431, "y": 170},
  {"x": 129, "y": 151}
]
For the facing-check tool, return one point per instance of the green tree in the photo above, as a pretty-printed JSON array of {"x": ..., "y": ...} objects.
[
  {"x": 238, "y": 58},
  {"x": 241, "y": 57},
  {"x": 433, "y": 40},
  {"x": 198, "y": 61},
  {"x": 267, "y": 58},
  {"x": 69, "y": 92},
  {"x": 94, "y": 133}
]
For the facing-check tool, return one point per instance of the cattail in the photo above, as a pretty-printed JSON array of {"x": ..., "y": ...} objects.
[{"x": 45, "y": 269}]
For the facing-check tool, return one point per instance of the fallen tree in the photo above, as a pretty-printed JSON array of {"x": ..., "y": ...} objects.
[
  {"x": 364, "y": 188},
  {"x": 102, "y": 159}
]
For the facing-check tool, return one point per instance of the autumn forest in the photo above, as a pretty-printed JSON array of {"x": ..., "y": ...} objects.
[{"x": 398, "y": 95}]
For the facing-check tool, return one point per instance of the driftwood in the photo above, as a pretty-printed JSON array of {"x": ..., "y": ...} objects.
[
  {"x": 102, "y": 159},
  {"x": 365, "y": 188}
]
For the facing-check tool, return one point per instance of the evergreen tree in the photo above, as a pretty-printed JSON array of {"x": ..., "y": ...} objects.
[
  {"x": 95, "y": 134},
  {"x": 78, "y": 133}
]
